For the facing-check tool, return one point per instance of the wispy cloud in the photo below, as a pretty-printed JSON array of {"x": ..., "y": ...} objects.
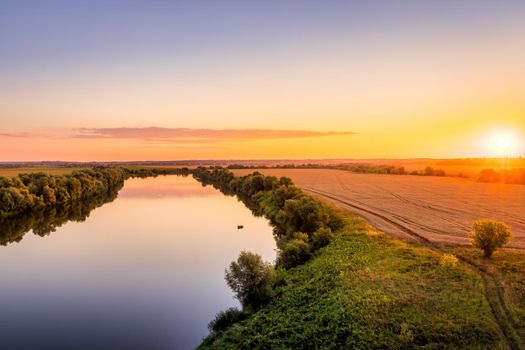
[
  {"x": 185, "y": 135},
  {"x": 15, "y": 134}
]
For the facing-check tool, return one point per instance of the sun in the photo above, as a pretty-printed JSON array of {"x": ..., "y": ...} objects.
[{"x": 503, "y": 144}]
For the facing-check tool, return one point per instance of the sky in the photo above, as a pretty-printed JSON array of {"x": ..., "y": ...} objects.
[{"x": 168, "y": 80}]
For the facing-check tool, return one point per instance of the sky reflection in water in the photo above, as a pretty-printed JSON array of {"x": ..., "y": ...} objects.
[{"x": 143, "y": 272}]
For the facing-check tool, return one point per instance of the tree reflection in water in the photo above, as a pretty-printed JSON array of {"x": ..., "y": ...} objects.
[{"x": 44, "y": 222}]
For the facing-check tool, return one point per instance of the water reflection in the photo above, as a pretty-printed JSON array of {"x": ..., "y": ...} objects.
[
  {"x": 44, "y": 222},
  {"x": 145, "y": 271}
]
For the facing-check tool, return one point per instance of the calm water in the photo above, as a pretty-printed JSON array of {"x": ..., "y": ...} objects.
[{"x": 145, "y": 271}]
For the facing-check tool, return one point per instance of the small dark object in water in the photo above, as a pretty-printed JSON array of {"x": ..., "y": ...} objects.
[{"x": 240, "y": 227}]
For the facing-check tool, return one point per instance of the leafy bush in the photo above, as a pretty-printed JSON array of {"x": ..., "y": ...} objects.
[
  {"x": 251, "y": 279},
  {"x": 448, "y": 261},
  {"x": 321, "y": 238},
  {"x": 225, "y": 319},
  {"x": 293, "y": 253},
  {"x": 490, "y": 235}
]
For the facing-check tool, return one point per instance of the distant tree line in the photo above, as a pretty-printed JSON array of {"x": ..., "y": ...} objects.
[
  {"x": 301, "y": 224},
  {"x": 38, "y": 191},
  {"x": 364, "y": 168},
  {"x": 153, "y": 172},
  {"x": 508, "y": 176},
  {"x": 359, "y": 168}
]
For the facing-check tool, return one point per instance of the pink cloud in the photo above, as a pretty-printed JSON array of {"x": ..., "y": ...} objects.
[{"x": 175, "y": 135}]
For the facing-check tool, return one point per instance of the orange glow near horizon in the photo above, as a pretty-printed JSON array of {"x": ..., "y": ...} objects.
[
  {"x": 504, "y": 143},
  {"x": 400, "y": 86},
  {"x": 424, "y": 143}
]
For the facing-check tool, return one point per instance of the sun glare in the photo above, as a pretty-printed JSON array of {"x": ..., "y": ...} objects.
[{"x": 503, "y": 144}]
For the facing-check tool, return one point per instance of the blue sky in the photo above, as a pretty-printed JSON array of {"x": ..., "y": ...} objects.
[
  {"x": 374, "y": 68},
  {"x": 46, "y": 34}
]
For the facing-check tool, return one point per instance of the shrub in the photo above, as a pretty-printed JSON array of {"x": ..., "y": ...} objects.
[
  {"x": 293, "y": 253},
  {"x": 490, "y": 235},
  {"x": 321, "y": 238},
  {"x": 335, "y": 221},
  {"x": 251, "y": 279},
  {"x": 448, "y": 261},
  {"x": 225, "y": 319}
]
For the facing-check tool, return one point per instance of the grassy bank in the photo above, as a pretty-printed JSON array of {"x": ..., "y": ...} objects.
[{"x": 364, "y": 290}]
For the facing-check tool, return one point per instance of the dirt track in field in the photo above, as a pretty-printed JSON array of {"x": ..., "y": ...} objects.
[{"x": 438, "y": 209}]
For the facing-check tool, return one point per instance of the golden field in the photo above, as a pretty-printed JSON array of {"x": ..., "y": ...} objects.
[{"x": 440, "y": 209}]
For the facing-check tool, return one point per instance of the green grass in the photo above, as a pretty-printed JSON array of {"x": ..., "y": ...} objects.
[
  {"x": 508, "y": 268},
  {"x": 368, "y": 291}
]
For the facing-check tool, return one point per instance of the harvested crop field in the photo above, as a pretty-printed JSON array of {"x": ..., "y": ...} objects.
[
  {"x": 8, "y": 172},
  {"x": 440, "y": 209}
]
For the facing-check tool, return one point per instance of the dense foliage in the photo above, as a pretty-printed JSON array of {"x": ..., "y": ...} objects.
[{"x": 38, "y": 191}]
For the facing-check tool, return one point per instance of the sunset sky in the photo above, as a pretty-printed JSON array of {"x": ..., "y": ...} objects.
[{"x": 167, "y": 80}]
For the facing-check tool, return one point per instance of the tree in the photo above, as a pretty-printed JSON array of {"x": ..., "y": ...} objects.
[
  {"x": 303, "y": 214},
  {"x": 251, "y": 279},
  {"x": 429, "y": 171},
  {"x": 490, "y": 235}
]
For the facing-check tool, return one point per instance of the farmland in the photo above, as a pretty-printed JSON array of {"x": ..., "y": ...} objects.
[
  {"x": 8, "y": 172},
  {"x": 438, "y": 209}
]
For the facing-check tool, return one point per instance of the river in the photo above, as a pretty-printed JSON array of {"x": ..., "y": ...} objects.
[{"x": 144, "y": 271}]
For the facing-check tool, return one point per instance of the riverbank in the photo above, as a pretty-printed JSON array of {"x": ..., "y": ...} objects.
[{"x": 369, "y": 290}]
